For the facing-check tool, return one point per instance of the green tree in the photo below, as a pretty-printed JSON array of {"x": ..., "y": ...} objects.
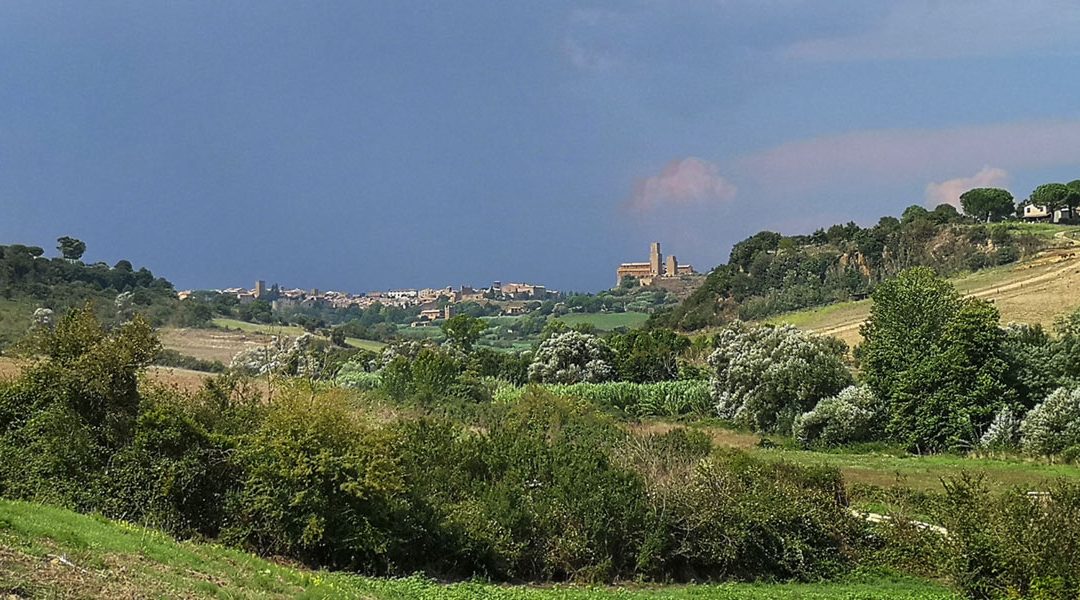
[
  {"x": 648, "y": 356},
  {"x": 935, "y": 359},
  {"x": 463, "y": 331},
  {"x": 1054, "y": 196},
  {"x": 70, "y": 248},
  {"x": 987, "y": 204}
]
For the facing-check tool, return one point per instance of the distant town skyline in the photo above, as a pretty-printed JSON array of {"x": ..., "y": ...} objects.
[{"x": 372, "y": 145}]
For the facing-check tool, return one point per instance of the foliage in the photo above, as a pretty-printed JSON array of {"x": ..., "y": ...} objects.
[
  {"x": 1054, "y": 424},
  {"x": 988, "y": 204},
  {"x": 767, "y": 273},
  {"x": 1004, "y": 430},
  {"x": 1012, "y": 545},
  {"x": 462, "y": 331},
  {"x": 173, "y": 358},
  {"x": 664, "y": 398},
  {"x": 645, "y": 356},
  {"x": 853, "y": 415},
  {"x": 62, "y": 284},
  {"x": 172, "y": 475},
  {"x": 147, "y": 563},
  {"x": 571, "y": 357},
  {"x": 765, "y": 377},
  {"x": 71, "y": 248},
  {"x": 935, "y": 360},
  {"x": 317, "y": 484}
]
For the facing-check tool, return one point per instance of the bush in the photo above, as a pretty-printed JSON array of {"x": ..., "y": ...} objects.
[
  {"x": 1013, "y": 545},
  {"x": 765, "y": 376},
  {"x": 730, "y": 516},
  {"x": 572, "y": 357},
  {"x": 1053, "y": 425},
  {"x": 1004, "y": 431},
  {"x": 853, "y": 415},
  {"x": 172, "y": 476},
  {"x": 172, "y": 358},
  {"x": 317, "y": 484}
]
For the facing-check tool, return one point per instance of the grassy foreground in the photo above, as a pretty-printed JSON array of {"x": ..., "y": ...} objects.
[{"x": 47, "y": 552}]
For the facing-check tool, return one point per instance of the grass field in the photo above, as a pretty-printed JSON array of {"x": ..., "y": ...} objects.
[
  {"x": 606, "y": 321},
  {"x": 882, "y": 468},
  {"x": 291, "y": 331},
  {"x": 47, "y": 552},
  {"x": 1033, "y": 291}
]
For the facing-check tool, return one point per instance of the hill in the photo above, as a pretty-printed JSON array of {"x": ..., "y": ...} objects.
[
  {"x": 1034, "y": 291},
  {"x": 769, "y": 274},
  {"x": 55, "y": 553}
]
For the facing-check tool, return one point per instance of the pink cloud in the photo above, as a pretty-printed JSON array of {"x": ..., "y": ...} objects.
[
  {"x": 901, "y": 155},
  {"x": 682, "y": 182},
  {"x": 948, "y": 192}
]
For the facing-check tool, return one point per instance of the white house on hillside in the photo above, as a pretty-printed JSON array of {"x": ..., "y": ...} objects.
[{"x": 1038, "y": 212}]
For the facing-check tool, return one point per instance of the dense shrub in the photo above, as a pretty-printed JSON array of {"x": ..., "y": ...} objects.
[
  {"x": 172, "y": 358},
  {"x": 173, "y": 475},
  {"x": 1054, "y": 424},
  {"x": 317, "y": 484},
  {"x": 766, "y": 376},
  {"x": 853, "y": 415},
  {"x": 1012, "y": 545},
  {"x": 729, "y": 516}
]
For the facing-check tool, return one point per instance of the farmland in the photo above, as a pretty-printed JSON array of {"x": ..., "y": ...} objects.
[
  {"x": 289, "y": 330},
  {"x": 606, "y": 321}
]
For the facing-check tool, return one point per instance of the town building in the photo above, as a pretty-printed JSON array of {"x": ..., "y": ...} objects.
[{"x": 647, "y": 272}]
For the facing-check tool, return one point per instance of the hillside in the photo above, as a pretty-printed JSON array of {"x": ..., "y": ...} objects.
[
  {"x": 54, "y": 553},
  {"x": 770, "y": 274},
  {"x": 1034, "y": 291}
]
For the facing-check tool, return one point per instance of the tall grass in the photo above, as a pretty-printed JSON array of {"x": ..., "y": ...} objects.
[{"x": 663, "y": 399}]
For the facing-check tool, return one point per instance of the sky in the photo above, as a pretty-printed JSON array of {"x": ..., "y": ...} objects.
[{"x": 373, "y": 145}]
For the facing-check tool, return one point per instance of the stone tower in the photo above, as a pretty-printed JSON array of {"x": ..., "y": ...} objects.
[
  {"x": 672, "y": 266},
  {"x": 656, "y": 259},
  {"x": 260, "y": 288}
]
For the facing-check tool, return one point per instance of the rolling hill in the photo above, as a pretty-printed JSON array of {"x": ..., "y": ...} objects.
[{"x": 1034, "y": 291}]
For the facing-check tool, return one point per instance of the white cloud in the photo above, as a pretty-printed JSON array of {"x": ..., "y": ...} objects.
[
  {"x": 682, "y": 182},
  {"x": 948, "y": 192},
  {"x": 587, "y": 59}
]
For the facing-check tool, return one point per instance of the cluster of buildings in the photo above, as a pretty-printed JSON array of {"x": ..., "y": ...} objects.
[{"x": 434, "y": 303}]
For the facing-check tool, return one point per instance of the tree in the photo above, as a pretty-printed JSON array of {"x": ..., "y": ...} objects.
[
  {"x": 987, "y": 204},
  {"x": 648, "y": 356},
  {"x": 463, "y": 331},
  {"x": 1073, "y": 199},
  {"x": 71, "y": 248},
  {"x": 935, "y": 359},
  {"x": 1053, "y": 196}
]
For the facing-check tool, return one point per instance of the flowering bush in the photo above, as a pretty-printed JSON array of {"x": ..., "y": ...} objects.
[
  {"x": 1053, "y": 425},
  {"x": 766, "y": 376},
  {"x": 1004, "y": 430},
  {"x": 572, "y": 357},
  {"x": 853, "y": 415}
]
